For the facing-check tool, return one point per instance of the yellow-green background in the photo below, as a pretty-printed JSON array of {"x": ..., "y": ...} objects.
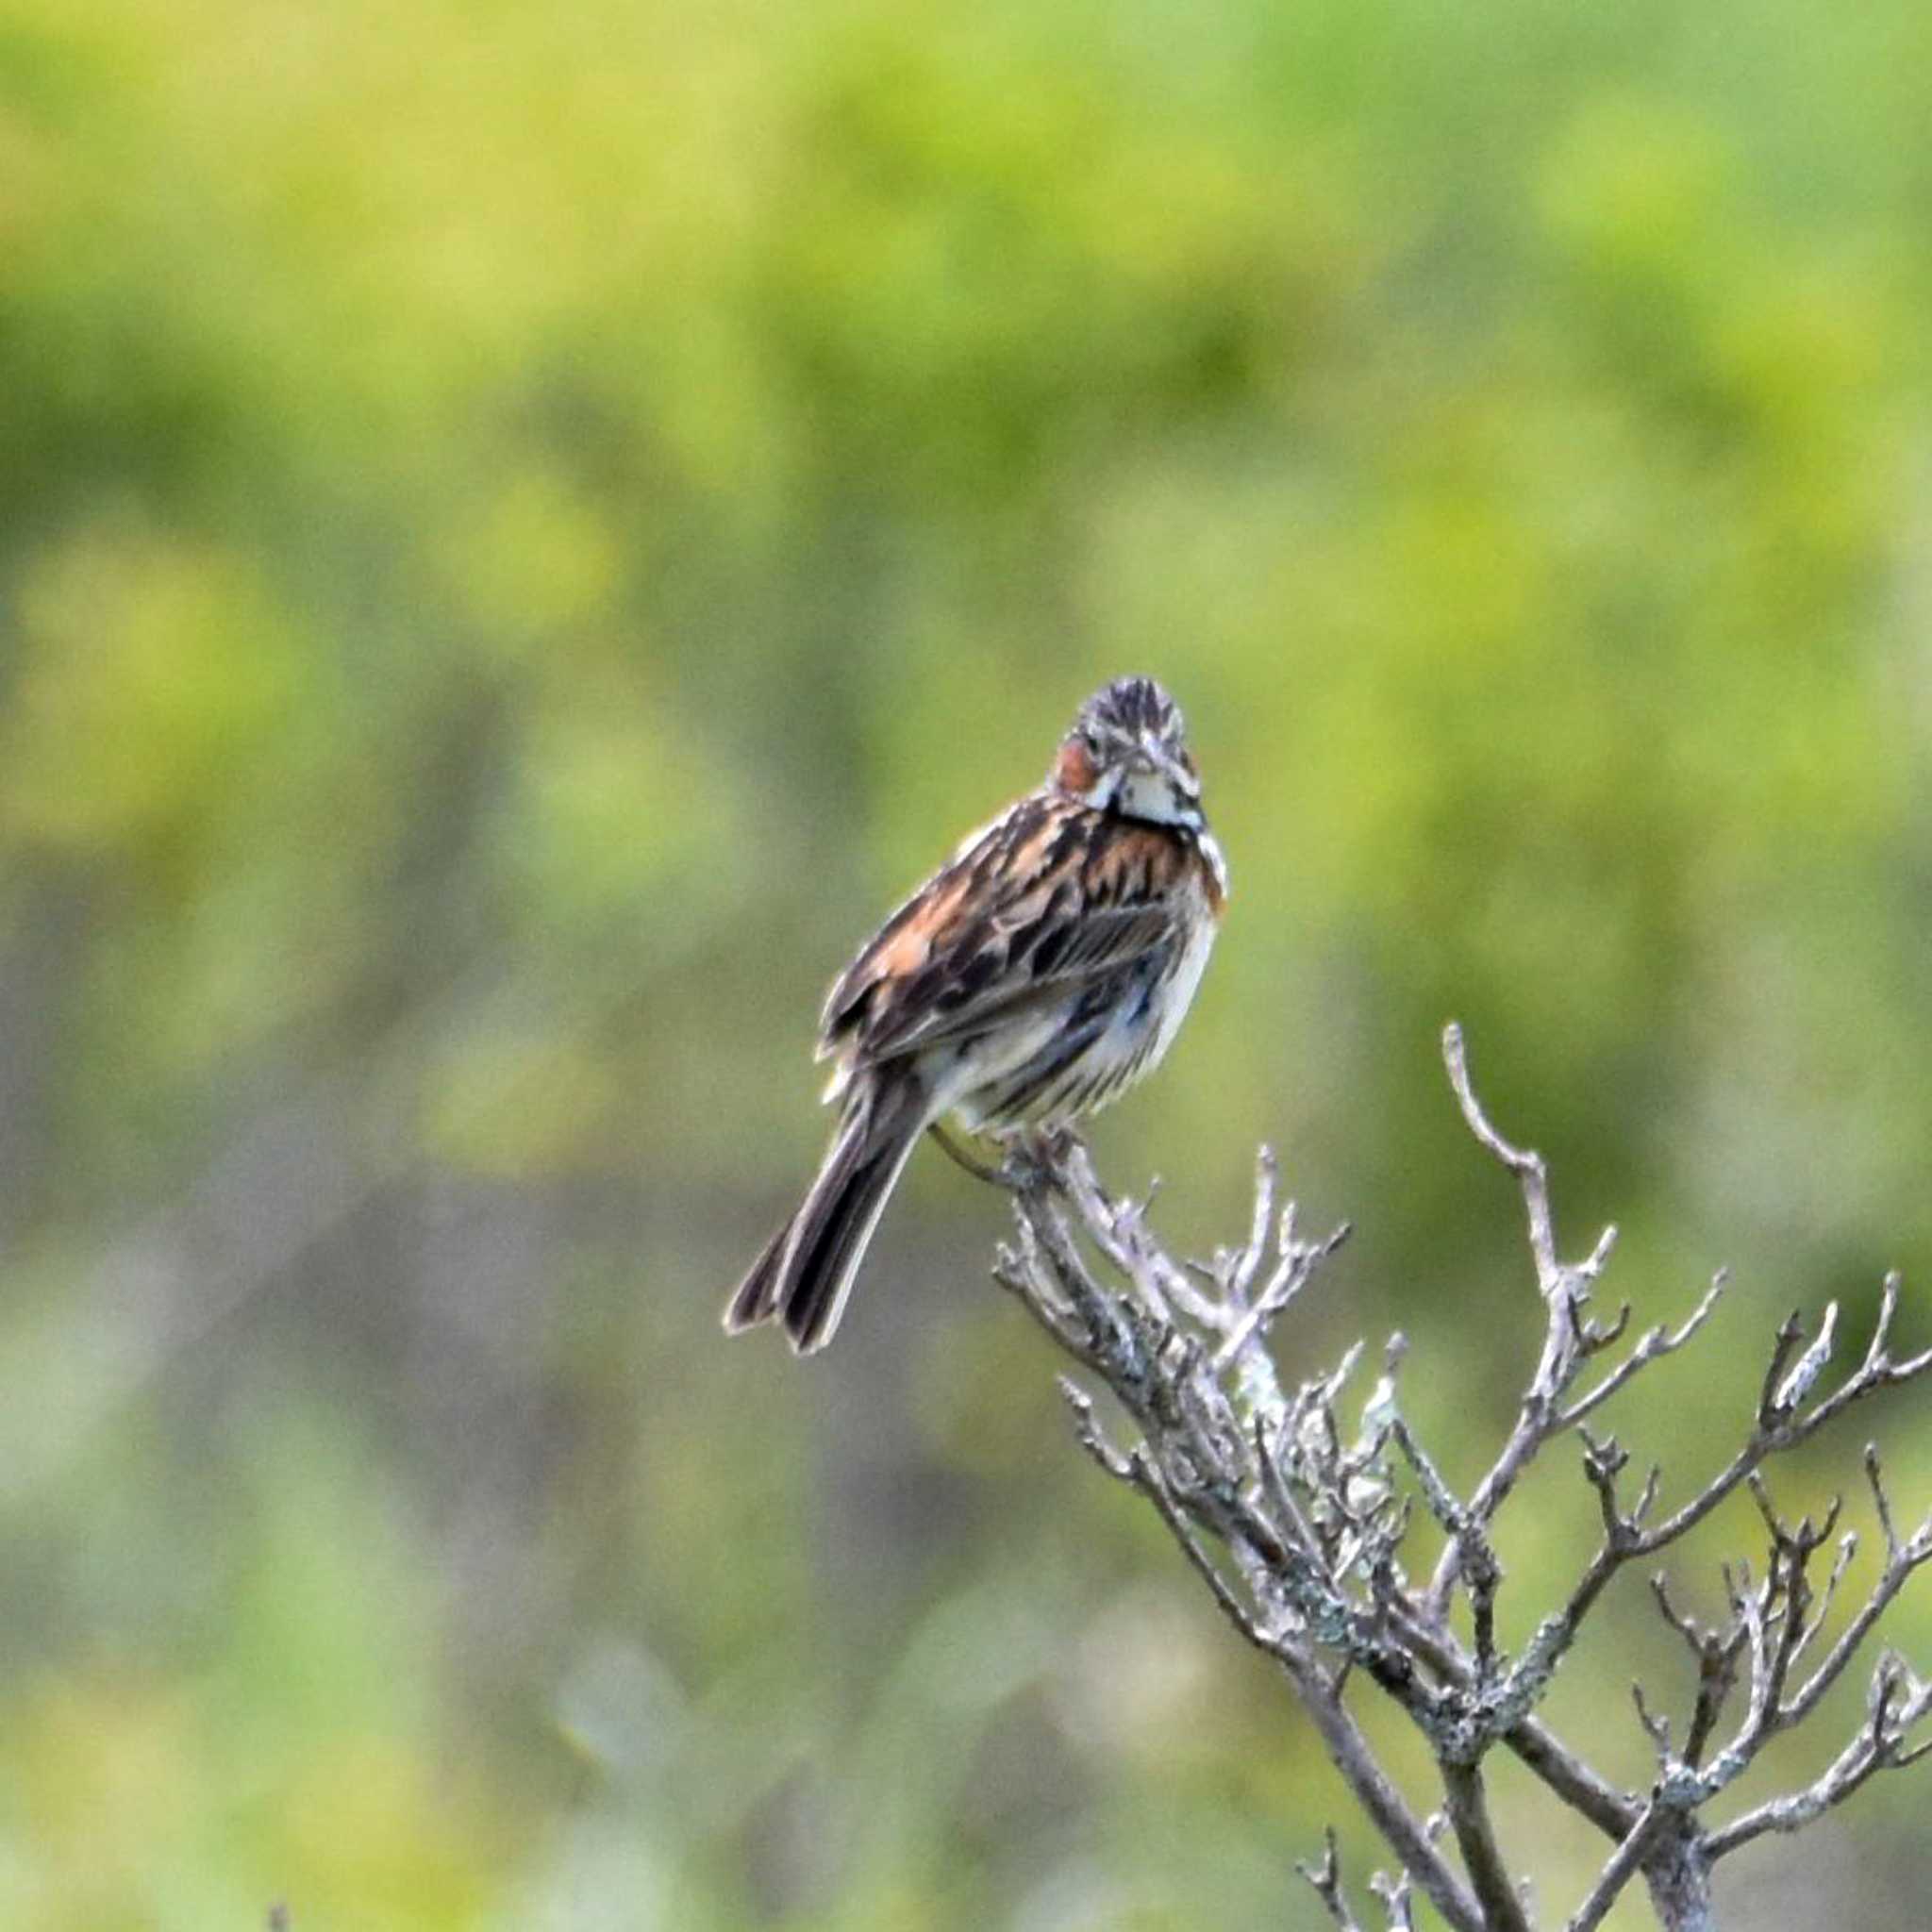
[{"x": 523, "y": 529}]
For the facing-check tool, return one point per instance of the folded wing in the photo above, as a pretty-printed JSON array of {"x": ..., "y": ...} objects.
[{"x": 1036, "y": 908}]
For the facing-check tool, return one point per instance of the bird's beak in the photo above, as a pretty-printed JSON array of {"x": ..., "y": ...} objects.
[{"x": 1154, "y": 759}]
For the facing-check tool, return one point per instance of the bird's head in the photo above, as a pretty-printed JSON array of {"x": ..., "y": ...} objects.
[{"x": 1128, "y": 752}]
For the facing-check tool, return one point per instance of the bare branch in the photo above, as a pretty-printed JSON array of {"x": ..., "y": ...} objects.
[
  {"x": 1585, "y": 1790},
  {"x": 1292, "y": 1273},
  {"x": 1408, "y": 1838},
  {"x": 1716, "y": 1653},
  {"x": 1779, "y": 1427},
  {"x": 1148, "y": 1478},
  {"x": 1394, "y": 1891},
  {"x": 1623, "y": 1867},
  {"x": 1810, "y": 1365},
  {"x": 1247, "y": 1259},
  {"x": 1087, "y": 1427},
  {"x": 1902, "y": 1560},
  {"x": 1881, "y": 1502},
  {"x": 1327, "y": 1880},
  {"x": 1657, "y": 1728},
  {"x": 1898, "y": 1703},
  {"x": 1475, "y": 1835},
  {"x": 1291, "y": 1502},
  {"x": 1657, "y": 1343},
  {"x": 1570, "y": 1338},
  {"x": 1538, "y": 1748},
  {"x": 1481, "y": 1570},
  {"x": 1525, "y": 1164}
]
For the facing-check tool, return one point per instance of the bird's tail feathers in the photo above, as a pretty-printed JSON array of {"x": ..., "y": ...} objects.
[{"x": 807, "y": 1269}]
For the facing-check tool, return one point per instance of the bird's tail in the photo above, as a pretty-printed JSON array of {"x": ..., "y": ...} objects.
[{"x": 806, "y": 1272}]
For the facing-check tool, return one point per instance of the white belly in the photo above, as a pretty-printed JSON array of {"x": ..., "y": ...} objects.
[
  {"x": 1182, "y": 987},
  {"x": 991, "y": 1086}
]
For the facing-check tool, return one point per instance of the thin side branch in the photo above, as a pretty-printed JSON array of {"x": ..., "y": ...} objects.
[
  {"x": 1327, "y": 1880},
  {"x": 1524, "y": 1163}
]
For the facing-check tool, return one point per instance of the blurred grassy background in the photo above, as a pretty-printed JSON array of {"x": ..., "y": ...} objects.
[{"x": 522, "y": 530}]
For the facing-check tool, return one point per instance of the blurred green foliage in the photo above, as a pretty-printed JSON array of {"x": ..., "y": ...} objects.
[{"x": 521, "y": 529}]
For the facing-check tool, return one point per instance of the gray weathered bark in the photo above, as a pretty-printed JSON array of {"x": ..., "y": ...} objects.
[{"x": 1293, "y": 1513}]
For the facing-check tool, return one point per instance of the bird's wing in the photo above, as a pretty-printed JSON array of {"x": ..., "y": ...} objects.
[{"x": 1050, "y": 898}]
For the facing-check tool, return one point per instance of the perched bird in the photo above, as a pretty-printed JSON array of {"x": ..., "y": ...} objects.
[{"x": 1038, "y": 974}]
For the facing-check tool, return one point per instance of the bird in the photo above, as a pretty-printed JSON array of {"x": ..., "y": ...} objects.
[{"x": 1044, "y": 970}]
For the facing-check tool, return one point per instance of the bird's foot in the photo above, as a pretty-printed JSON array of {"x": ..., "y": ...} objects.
[
  {"x": 1031, "y": 1161},
  {"x": 1037, "y": 1159},
  {"x": 994, "y": 1177}
]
